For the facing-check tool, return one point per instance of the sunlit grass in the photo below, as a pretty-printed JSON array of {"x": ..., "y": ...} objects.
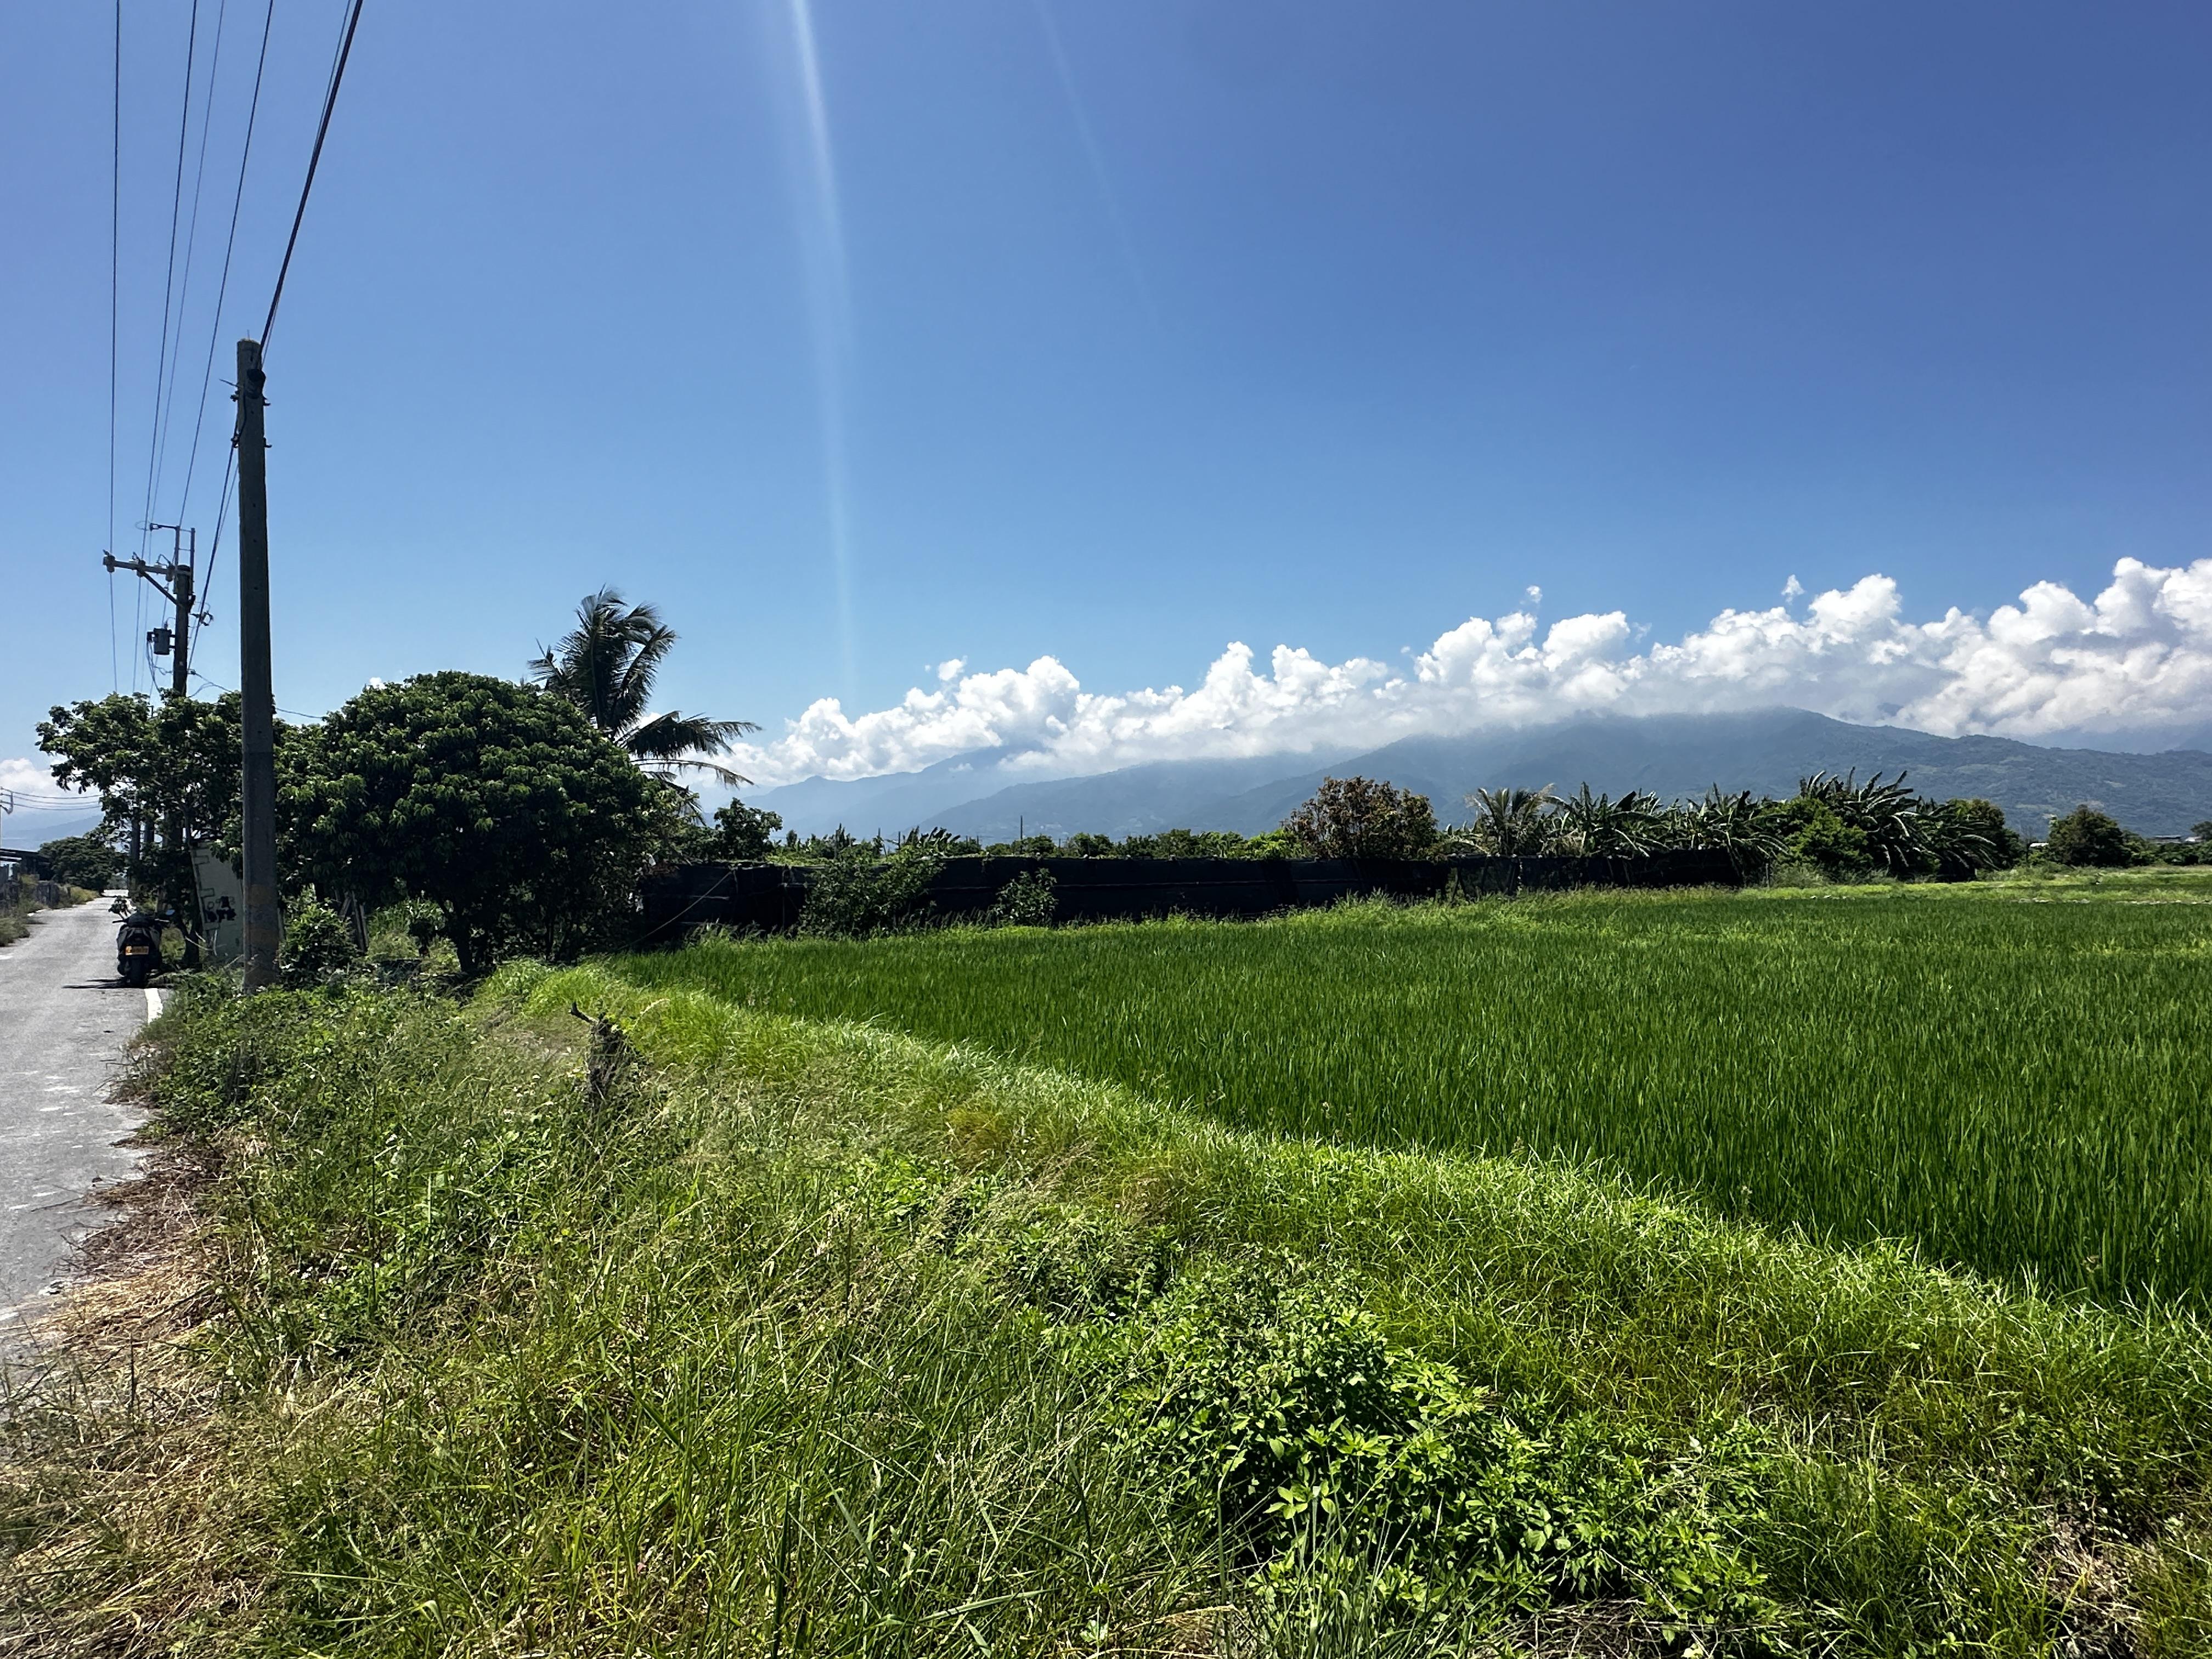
[
  {"x": 2011, "y": 1076},
  {"x": 791, "y": 1337}
]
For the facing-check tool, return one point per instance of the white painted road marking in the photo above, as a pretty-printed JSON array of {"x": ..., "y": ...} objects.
[{"x": 152, "y": 1003}]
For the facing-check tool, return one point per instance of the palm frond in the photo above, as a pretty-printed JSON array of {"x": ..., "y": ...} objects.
[
  {"x": 667, "y": 736},
  {"x": 606, "y": 664}
]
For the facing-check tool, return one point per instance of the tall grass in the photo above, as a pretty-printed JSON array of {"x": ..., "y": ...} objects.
[
  {"x": 771, "y": 1337},
  {"x": 2016, "y": 1086}
]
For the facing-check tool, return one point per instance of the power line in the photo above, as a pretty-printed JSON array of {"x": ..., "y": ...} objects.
[
  {"x": 169, "y": 283},
  {"x": 215, "y": 544},
  {"x": 114, "y": 289},
  {"x": 314, "y": 159},
  {"x": 222, "y": 288},
  {"x": 191, "y": 246}
]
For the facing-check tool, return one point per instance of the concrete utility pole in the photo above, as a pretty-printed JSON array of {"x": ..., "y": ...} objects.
[
  {"x": 173, "y": 581},
  {"x": 257, "y": 795}
]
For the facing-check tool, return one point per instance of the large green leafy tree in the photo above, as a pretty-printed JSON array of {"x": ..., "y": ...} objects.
[
  {"x": 85, "y": 861},
  {"x": 605, "y": 666},
  {"x": 1363, "y": 818},
  {"x": 2086, "y": 836},
  {"x": 504, "y": 807},
  {"x": 171, "y": 767}
]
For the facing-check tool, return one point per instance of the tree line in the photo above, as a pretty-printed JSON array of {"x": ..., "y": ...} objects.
[
  {"x": 1835, "y": 826},
  {"x": 519, "y": 816}
]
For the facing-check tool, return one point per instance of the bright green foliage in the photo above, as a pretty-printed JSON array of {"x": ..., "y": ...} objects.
[
  {"x": 1509, "y": 822},
  {"x": 90, "y": 862},
  {"x": 1888, "y": 817},
  {"x": 1971, "y": 834},
  {"x": 170, "y": 761},
  {"x": 1279, "y": 1410},
  {"x": 2017, "y": 1086},
  {"x": 1028, "y": 901},
  {"x": 498, "y": 804},
  {"x": 318, "y": 943},
  {"x": 1600, "y": 826},
  {"x": 1819, "y": 837},
  {"x": 742, "y": 833},
  {"x": 857, "y": 894},
  {"x": 2086, "y": 836}
]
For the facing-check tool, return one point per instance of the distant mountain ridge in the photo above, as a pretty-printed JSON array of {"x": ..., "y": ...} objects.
[{"x": 1765, "y": 751}]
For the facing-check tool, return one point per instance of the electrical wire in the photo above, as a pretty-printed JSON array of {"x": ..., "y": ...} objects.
[
  {"x": 169, "y": 283},
  {"x": 191, "y": 246},
  {"x": 296, "y": 714},
  {"x": 114, "y": 290},
  {"x": 222, "y": 288},
  {"x": 314, "y": 159},
  {"x": 214, "y": 543}
]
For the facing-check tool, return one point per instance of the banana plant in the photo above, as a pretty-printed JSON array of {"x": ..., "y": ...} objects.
[{"x": 1598, "y": 826}]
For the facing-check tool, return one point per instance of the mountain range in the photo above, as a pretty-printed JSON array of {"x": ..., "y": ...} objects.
[{"x": 1765, "y": 751}]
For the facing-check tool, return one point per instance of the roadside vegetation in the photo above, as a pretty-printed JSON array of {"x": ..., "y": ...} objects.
[
  {"x": 694, "y": 1328},
  {"x": 17, "y": 901},
  {"x": 21, "y": 896}
]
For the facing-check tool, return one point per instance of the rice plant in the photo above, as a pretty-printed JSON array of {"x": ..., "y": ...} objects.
[{"x": 2013, "y": 1085}]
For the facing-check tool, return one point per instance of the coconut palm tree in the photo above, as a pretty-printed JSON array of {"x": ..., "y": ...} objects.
[
  {"x": 606, "y": 665},
  {"x": 1509, "y": 822}
]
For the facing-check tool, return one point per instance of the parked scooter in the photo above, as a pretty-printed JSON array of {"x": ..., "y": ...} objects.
[{"x": 139, "y": 946}]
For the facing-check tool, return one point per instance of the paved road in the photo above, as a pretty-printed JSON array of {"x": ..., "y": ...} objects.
[{"x": 65, "y": 1018}]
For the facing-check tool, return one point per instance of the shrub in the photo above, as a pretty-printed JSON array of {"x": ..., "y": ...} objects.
[
  {"x": 744, "y": 833},
  {"x": 1028, "y": 901},
  {"x": 318, "y": 944},
  {"x": 1336, "y": 1462},
  {"x": 1819, "y": 837},
  {"x": 856, "y": 894}
]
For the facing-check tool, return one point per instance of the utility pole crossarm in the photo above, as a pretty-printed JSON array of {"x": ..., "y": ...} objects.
[{"x": 177, "y": 591}]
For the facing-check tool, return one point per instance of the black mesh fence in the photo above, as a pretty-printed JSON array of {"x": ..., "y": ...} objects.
[{"x": 769, "y": 897}]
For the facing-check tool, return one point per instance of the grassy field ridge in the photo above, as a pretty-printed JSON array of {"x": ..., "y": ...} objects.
[{"x": 751, "y": 1334}]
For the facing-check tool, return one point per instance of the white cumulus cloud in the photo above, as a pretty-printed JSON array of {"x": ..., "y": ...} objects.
[
  {"x": 27, "y": 775},
  {"x": 2137, "y": 657}
]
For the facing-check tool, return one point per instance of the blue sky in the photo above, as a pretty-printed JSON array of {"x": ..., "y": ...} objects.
[{"x": 1116, "y": 333}]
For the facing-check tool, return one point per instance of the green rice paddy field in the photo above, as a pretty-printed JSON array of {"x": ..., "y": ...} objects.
[{"x": 2014, "y": 1076}]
